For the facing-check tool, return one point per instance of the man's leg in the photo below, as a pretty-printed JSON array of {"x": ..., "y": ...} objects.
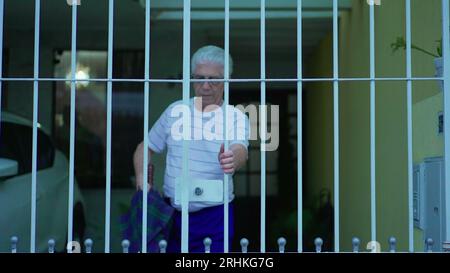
[
  {"x": 174, "y": 242},
  {"x": 207, "y": 222}
]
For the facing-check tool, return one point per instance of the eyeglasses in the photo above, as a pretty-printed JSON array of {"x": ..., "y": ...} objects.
[{"x": 215, "y": 81}]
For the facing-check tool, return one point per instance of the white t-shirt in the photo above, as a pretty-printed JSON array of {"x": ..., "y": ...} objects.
[{"x": 206, "y": 137}]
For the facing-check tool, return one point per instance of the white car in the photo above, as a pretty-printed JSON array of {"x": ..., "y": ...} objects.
[{"x": 52, "y": 180}]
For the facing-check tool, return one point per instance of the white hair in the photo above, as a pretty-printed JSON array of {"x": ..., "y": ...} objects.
[{"x": 210, "y": 54}]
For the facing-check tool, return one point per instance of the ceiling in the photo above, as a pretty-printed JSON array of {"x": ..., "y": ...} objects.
[{"x": 207, "y": 19}]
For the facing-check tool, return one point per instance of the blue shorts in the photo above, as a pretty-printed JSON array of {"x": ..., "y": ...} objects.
[{"x": 207, "y": 222}]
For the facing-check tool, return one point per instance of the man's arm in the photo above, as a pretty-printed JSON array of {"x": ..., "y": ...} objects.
[
  {"x": 233, "y": 159},
  {"x": 138, "y": 159}
]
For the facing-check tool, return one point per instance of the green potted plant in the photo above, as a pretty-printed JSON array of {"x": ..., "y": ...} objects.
[{"x": 400, "y": 43}]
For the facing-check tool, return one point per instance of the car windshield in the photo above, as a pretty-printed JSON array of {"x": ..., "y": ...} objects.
[{"x": 16, "y": 144}]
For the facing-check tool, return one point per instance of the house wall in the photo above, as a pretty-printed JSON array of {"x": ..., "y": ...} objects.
[{"x": 391, "y": 118}]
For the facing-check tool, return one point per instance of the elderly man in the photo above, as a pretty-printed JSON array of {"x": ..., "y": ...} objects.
[{"x": 207, "y": 158}]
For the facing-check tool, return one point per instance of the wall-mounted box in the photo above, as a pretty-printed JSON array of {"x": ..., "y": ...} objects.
[{"x": 428, "y": 199}]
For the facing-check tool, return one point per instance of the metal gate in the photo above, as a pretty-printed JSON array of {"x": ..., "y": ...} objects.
[{"x": 262, "y": 80}]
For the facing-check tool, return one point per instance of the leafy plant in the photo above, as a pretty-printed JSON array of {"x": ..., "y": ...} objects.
[{"x": 400, "y": 43}]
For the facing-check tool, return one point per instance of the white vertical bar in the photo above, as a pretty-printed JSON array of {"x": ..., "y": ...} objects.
[
  {"x": 186, "y": 86},
  {"x": 146, "y": 113},
  {"x": 263, "y": 126},
  {"x": 446, "y": 55},
  {"x": 1, "y": 54},
  {"x": 409, "y": 117},
  {"x": 299, "y": 130},
  {"x": 226, "y": 102},
  {"x": 108, "y": 126},
  {"x": 35, "y": 121},
  {"x": 72, "y": 122},
  {"x": 372, "y": 127},
  {"x": 336, "y": 122}
]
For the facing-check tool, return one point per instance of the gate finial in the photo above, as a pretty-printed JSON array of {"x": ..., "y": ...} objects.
[
  {"x": 318, "y": 242},
  {"x": 355, "y": 243},
  {"x": 88, "y": 245},
  {"x": 392, "y": 244},
  {"x": 14, "y": 241},
  {"x": 429, "y": 245},
  {"x": 162, "y": 246},
  {"x": 51, "y": 246},
  {"x": 244, "y": 245},
  {"x": 281, "y": 244},
  {"x": 207, "y": 242},
  {"x": 125, "y": 246}
]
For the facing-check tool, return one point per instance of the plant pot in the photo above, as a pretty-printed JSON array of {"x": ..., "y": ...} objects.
[{"x": 438, "y": 67}]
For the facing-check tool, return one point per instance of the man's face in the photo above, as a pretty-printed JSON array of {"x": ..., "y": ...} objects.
[{"x": 210, "y": 92}]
